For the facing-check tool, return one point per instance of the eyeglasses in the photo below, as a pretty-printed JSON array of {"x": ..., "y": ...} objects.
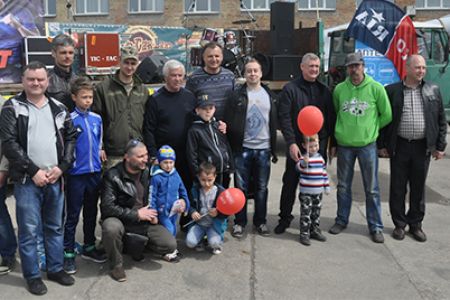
[{"x": 133, "y": 143}]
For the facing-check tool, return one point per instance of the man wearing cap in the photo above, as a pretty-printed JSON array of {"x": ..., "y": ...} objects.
[
  {"x": 362, "y": 109},
  {"x": 120, "y": 101}
]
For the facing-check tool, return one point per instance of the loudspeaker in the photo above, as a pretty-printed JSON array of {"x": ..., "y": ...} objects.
[
  {"x": 282, "y": 27},
  {"x": 150, "y": 69},
  {"x": 279, "y": 67},
  {"x": 38, "y": 48}
]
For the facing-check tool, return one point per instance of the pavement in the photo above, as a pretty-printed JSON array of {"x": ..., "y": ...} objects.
[{"x": 346, "y": 266}]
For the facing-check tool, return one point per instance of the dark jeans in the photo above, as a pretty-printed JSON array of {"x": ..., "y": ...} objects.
[
  {"x": 82, "y": 192},
  {"x": 113, "y": 231},
  {"x": 253, "y": 163},
  {"x": 8, "y": 242},
  {"x": 409, "y": 166}
]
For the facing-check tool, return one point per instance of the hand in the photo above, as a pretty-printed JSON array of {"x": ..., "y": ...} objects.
[
  {"x": 332, "y": 152},
  {"x": 40, "y": 178},
  {"x": 383, "y": 153},
  {"x": 196, "y": 216},
  {"x": 222, "y": 127},
  {"x": 182, "y": 207},
  {"x": 103, "y": 156},
  {"x": 213, "y": 212},
  {"x": 438, "y": 154},
  {"x": 294, "y": 152},
  {"x": 53, "y": 175},
  {"x": 147, "y": 214},
  {"x": 306, "y": 159}
]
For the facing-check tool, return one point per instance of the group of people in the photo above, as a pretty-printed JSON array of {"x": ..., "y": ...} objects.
[{"x": 161, "y": 161}]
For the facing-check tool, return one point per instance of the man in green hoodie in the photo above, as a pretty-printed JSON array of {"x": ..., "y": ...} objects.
[{"x": 362, "y": 109}]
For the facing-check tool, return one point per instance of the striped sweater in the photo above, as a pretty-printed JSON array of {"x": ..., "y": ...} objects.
[{"x": 313, "y": 175}]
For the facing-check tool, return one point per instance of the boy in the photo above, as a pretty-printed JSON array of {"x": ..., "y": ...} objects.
[
  {"x": 203, "y": 211},
  {"x": 313, "y": 182},
  {"x": 83, "y": 181},
  {"x": 206, "y": 143}
]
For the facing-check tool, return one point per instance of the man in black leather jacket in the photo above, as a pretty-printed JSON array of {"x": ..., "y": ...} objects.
[{"x": 418, "y": 131}]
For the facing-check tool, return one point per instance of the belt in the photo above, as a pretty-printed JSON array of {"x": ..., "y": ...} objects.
[{"x": 410, "y": 140}]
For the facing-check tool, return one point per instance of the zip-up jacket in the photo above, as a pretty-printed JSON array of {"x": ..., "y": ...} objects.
[
  {"x": 89, "y": 142},
  {"x": 14, "y": 136},
  {"x": 205, "y": 143},
  {"x": 59, "y": 86},
  {"x": 236, "y": 116}
]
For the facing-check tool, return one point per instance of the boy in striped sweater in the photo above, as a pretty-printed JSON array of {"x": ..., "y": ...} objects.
[{"x": 313, "y": 182}]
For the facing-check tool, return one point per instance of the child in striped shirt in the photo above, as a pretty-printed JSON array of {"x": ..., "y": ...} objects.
[{"x": 313, "y": 182}]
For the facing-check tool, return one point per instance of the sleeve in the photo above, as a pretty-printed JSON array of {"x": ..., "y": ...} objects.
[
  {"x": 192, "y": 152},
  {"x": 384, "y": 107},
  {"x": 441, "y": 143},
  {"x": 70, "y": 139},
  {"x": 150, "y": 124},
  {"x": 153, "y": 192},
  {"x": 284, "y": 116},
  {"x": 183, "y": 194}
]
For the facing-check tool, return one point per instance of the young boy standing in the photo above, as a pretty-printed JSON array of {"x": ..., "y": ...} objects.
[
  {"x": 313, "y": 182},
  {"x": 83, "y": 181}
]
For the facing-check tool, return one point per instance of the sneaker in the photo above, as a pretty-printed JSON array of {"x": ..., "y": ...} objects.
[
  {"x": 377, "y": 237},
  {"x": 263, "y": 230},
  {"x": 398, "y": 233},
  {"x": 304, "y": 240},
  {"x": 172, "y": 257},
  {"x": 238, "y": 231},
  {"x": 69, "y": 262},
  {"x": 317, "y": 235},
  {"x": 7, "y": 265},
  {"x": 118, "y": 274},
  {"x": 418, "y": 234},
  {"x": 337, "y": 228},
  {"x": 216, "y": 250},
  {"x": 61, "y": 277},
  {"x": 36, "y": 286},
  {"x": 281, "y": 228},
  {"x": 91, "y": 253}
]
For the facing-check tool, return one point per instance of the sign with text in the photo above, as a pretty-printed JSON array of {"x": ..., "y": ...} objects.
[{"x": 101, "y": 53}]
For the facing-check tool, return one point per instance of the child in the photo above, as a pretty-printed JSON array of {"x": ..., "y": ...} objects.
[
  {"x": 313, "y": 181},
  {"x": 206, "y": 143},
  {"x": 167, "y": 192},
  {"x": 83, "y": 181},
  {"x": 203, "y": 211}
]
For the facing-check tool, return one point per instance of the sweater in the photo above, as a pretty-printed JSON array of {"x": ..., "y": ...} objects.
[{"x": 313, "y": 175}]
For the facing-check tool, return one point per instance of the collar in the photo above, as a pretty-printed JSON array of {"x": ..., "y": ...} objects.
[{"x": 61, "y": 73}]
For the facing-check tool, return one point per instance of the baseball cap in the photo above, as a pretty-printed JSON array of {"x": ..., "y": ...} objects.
[
  {"x": 204, "y": 101},
  {"x": 128, "y": 52},
  {"x": 354, "y": 59}
]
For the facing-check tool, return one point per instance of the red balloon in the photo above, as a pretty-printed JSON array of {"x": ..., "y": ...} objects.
[
  {"x": 310, "y": 120},
  {"x": 230, "y": 201}
]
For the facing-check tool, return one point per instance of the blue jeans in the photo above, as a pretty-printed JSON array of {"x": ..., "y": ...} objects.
[
  {"x": 8, "y": 242},
  {"x": 368, "y": 163},
  {"x": 39, "y": 205},
  {"x": 197, "y": 232},
  {"x": 256, "y": 163}
]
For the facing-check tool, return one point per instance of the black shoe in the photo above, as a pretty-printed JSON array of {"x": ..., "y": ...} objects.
[
  {"x": 281, "y": 228},
  {"x": 317, "y": 235},
  {"x": 61, "y": 277},
  {"x": 305, "y": 240},
  {"x": 398, "y": 233},
  {"x": 237, "y": 231},
  {"x": 418, "y": 234},
  {"x": 36, "y": 286},
  {"x": 94, "y": 255},
  {"x": 377, "y": 237},
  {"x": 263, "y": 230},
  {"x": 337, "y": 228}
]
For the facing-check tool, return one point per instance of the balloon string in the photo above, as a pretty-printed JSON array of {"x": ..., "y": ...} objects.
[{"x": 307, "y": 153}]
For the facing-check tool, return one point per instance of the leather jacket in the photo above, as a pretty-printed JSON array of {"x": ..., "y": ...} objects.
[
  {"x": 59, "y": 86},
  {"x": 14, "y": 136}
]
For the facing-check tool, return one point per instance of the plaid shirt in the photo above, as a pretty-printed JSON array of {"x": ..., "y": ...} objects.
[{"x": 412, "y": 122}]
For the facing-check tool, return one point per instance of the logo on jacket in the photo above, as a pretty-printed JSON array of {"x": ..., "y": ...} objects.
[{"x": 355, "y": 107}]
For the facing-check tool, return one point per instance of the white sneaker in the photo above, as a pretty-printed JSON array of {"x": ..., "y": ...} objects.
[{"x": 217, "y": 250}]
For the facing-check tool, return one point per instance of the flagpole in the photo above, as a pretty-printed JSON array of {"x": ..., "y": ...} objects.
[{"x": 317, "y": 10}]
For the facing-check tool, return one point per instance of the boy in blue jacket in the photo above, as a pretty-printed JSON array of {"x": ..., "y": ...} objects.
[{"x": 83, "y": 180}]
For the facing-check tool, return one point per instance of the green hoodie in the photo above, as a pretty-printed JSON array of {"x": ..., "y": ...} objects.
[{"x": 361, "y": 112}]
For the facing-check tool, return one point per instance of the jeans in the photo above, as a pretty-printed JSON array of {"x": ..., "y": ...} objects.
[
  {"x": 8, "y": 242},
  {"x": 256, "y": 163},
  {"x": 197, "y": 232},
  {"x": 368, "y": 163},
  {"x": 39, "y": 205}
]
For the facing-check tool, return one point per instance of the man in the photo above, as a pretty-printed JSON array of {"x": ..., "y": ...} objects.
[
  {"x": 212, "y": 79},
  {"x": 303, "y": 91},
  {"x": 63, "y": 52},
  {"x": 125, "y": 212},
  {"x": 168, "y": 115},
  {"x": 38, "y": 138},
  {"x": 418, "y": 130},
  {"x": 251, "y": 116},
  {"x": 120, "y": 101},
  {"x": 362, "y": 109}
]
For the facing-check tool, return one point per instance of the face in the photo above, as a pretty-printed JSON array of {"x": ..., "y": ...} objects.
[
  {"x": 64, "y": 56},
  {"x": 35, "y": 82},
  {"x": 206, "y": 180},
  {"x": 253, "y": 73},
  {"x": 213, "y": 58},
  {"x": 83, "y": 99},
  {"x": 175, "y": 79},
  {"x": 313, "y": 147},
  {"x": 356, "y": 72},
  {"x": 167, "y": 165},
  {"x": 206, "y": 113},
  {"x": 310, "y": 69},
  {"x": 417, "y": 69},
  {"x": 137, "y": 160},
  {"x": 128, "y": 67}
]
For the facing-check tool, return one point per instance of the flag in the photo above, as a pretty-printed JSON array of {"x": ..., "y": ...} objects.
[{"x": 383, "y": 26}]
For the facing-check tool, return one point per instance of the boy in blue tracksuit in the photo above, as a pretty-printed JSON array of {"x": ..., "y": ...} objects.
[
  {"x": 167, "y": 192},
  {"x": 83, "y": 180}
]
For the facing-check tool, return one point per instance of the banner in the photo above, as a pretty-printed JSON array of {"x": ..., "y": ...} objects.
[{"x": 386, "y": 28}]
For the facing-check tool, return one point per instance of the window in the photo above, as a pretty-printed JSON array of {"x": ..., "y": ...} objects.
[
  {"x": 358, "y": 2},
  {"x": 256, "y": 4},
  {"x": 433, "y": 4},
  {"x": 92, "y": 7},
  {"x": 201, "y": 6},
  {"x": 145, "y": 6},
  {"x": 317, "y": 4},
  {"x": 50, "y": 8}
]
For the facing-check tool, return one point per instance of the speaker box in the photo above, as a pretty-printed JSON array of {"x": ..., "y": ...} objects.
[
  {"x": 150, "y": 69},
  {"x": 282, "y": 27},
  {"x": 279, "y": 67},
  {"x": 38, "y": 48}
]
